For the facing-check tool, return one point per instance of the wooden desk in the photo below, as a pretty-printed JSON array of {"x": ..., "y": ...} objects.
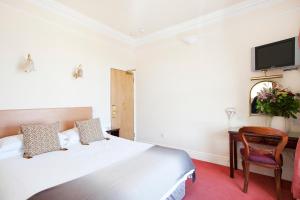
[{"x": 267, "y": 140}]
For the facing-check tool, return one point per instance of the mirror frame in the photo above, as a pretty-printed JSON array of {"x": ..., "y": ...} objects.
[{"x": 249, "y": 104}]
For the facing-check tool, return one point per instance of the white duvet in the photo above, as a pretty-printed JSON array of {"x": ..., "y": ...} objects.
[{"x": 21, "y": 178}]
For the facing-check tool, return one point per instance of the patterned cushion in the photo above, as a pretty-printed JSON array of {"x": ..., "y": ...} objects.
[
  {"x": 40, "y": 138},
  {"x": 89, "y": 130}
]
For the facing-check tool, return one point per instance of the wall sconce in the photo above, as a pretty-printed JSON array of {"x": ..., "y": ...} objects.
[
  {"x": 28, "y": 65},
  {"x": 78, "y": 72}
]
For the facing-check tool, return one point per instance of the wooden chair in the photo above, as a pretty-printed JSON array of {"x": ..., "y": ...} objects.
[{"x": 269, "y": 158}]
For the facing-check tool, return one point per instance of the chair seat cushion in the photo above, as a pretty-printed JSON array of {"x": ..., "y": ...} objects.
[{"x": 259, "y": 157}]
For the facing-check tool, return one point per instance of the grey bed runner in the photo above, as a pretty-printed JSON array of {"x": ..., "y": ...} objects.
[{"x": 147, "y": 176}]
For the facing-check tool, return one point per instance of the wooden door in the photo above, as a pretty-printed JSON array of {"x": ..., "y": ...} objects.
[{"x": 122, "y": 102}]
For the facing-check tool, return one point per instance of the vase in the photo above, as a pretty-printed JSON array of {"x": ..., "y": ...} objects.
[{"x": 280, "y": 123}]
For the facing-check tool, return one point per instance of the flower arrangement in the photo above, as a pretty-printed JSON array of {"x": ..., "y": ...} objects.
[{"x": 277, "y": 101}]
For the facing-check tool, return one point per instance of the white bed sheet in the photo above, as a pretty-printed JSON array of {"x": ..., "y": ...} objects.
[{"x": 21, "y": 178}]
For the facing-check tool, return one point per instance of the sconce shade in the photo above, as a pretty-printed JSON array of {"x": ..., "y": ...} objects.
[
  {"x": 29, "y": 64},
  {"x": 78, "y": 72}
]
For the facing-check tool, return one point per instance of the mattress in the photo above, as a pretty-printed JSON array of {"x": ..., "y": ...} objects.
[{"x": 21, "y": 178}]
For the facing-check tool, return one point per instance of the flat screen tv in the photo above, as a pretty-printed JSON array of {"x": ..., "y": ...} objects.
[{"x": 284, "y": 53}]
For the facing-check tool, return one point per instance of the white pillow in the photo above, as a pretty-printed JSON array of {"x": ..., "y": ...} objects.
[
  {"x": 69, "y": 137},
  {"x": 61, "y": 140},
  {"x": 12, "y": 153},
  {"x": 11, "y": 143}
]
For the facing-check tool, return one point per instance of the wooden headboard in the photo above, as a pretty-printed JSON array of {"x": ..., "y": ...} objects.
[{"x": 10, "y": 120}]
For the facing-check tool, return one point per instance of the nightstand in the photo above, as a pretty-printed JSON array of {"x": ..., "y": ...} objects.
[{"x": 114, "y": 132}]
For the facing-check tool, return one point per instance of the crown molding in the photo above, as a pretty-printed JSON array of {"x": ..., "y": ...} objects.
[
  {"x": 201, "y": 21},
  {"x": 71, "y": 14}
]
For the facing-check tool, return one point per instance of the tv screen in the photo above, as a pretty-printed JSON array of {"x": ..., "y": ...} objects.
[{"x": 277, "y": 54}]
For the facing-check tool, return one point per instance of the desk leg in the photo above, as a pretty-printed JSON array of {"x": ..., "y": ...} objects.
[
  {"x": 235, "y": 155},
  {"x": 231, "y": 156}
]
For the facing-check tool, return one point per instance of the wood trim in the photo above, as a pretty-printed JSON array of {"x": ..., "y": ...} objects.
[{"x": 10, "y": 120}]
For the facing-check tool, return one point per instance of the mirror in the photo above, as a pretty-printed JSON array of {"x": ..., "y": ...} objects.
[{"x": 253, "y": 94}]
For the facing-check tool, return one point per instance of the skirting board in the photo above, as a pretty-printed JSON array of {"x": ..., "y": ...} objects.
[
  {"x": 208, "y": 157},
  {"x": 198, "y": 155}
]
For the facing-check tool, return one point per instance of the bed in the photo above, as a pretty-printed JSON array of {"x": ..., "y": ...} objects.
[{"x": 108, "y": 169}]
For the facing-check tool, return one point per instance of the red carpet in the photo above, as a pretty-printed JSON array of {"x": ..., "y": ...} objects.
[{"x": 213, "y": 183}]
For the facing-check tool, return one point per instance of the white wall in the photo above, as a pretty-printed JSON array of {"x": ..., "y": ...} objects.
[
  {"x": 183, "y": 90},
  {"x": 57, "y": 46}
]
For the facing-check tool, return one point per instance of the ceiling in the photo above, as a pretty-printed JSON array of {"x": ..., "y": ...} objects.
[{"x": 139, "y": 18}]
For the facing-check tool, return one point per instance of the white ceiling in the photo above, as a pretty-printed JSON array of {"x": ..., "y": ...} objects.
[{"x": 141, "y": 17}]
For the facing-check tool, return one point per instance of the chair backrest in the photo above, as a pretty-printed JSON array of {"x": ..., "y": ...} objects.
[{"x": 266, "y": 131}]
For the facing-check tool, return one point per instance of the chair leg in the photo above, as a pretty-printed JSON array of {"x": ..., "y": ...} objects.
[
  {"x": 246, "y": 175},
  {"x": 278, "y": 173}
]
